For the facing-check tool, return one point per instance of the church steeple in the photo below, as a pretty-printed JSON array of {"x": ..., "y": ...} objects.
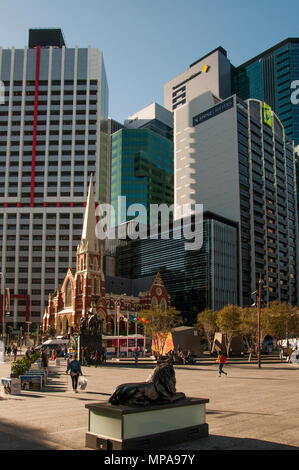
[
  {"x": 89, "y": 275},
  {"x": 89, "y": 225}
]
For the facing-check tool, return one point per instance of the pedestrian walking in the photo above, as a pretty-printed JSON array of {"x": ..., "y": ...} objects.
[
  {"x": 136, "y": 354},
  {"x": 44, "y": 360},
  {"x": 103, "y": 354},
  {"x": 221, "y": 359},
  {"x": 290, "y": 350},
  {"x": 27, "y": 354},
  {"x": 75, "y": 370},
  {"x": 15, "y": 351}
]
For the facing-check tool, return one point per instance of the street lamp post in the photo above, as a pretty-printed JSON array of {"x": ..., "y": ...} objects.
[
  {"x": 259, "y": 323},
  {"x": 117, "y": 320},
  {"x": 3, "y": 306},
  {"x": 258, "y": 304}
]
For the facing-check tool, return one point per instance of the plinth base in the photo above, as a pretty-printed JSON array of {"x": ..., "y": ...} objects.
[{"x": 128, "y": 428}]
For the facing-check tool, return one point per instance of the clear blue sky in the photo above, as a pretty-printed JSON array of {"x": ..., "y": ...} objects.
[{"x": 148, "y": 42}]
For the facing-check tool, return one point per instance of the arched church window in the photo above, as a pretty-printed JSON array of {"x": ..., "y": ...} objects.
[
  {"x": 68, "y": 294},
  {"x": 163, "y": 305},
  {"x": 154, "y": 302}
]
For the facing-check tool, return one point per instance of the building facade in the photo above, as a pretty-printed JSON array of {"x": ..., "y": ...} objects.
[
  {"x": 205, "y": 277},
  {"x": 211, "y": 72},
  {"x": 234, "y": 158},
  {"x": 51, "y": 139},
  {"x": 268, "y": 77},
  {"x": 87, "y": 287},
  {"x": 142, "y": 162}
]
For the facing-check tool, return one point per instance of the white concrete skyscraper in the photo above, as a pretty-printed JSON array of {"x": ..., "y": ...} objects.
[{"x": 52, "y": 138}]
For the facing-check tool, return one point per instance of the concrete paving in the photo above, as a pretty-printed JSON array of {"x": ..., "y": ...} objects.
[{"x": 250, "y": 408}]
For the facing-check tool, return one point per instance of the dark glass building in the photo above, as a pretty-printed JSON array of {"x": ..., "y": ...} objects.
[
  {"x": 268, "y": 77},
  {"x": 141, "y": 169},
  {"x": 195, "y": 279}
]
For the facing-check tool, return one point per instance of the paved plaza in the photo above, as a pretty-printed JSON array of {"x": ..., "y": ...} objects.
[{"x": 250, "y": 408}]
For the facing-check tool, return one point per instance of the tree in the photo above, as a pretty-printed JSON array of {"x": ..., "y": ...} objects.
[
  {"x": 50, "y": 331},
  {"x": 208, "y": 321},
  {"x": 229, "y": 323},
  {"x": 248, "y": 326},
  {"x": 158, "y": 324},
  {"x": 281, "y": 320}
]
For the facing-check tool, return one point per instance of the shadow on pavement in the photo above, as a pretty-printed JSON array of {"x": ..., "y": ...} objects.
[
  {"x": 214, "y": 442},
  {"x": 13, "y": 437}
]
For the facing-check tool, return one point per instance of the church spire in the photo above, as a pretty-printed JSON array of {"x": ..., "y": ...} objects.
[{"x": 89, "y": 224}]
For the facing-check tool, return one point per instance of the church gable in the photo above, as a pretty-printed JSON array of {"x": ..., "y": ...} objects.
[
  {"x": 159, "y": 296},
  {"x": 68, "y": 289}
]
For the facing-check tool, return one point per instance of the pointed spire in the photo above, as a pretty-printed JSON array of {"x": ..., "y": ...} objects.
[{"x": 89, "y": 224}]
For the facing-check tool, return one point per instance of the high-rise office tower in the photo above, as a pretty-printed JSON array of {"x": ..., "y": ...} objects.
[
  {"x": 210, "y": 72},
  {"x": 268, "y": 77},
  {"x": 51, "y": 139},
  {"x": 142, "y": 161},
  {"x": 234, "y": 158},
  {"x": 205, "y": 277}
]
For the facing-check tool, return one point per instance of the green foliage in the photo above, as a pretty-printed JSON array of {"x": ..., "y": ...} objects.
[
  {"x": 20, "y": 366},
  {"x": 50, "y": 331},
  {"x": 207, "y": 321},
  {"x": 160, "y": 323},
  {"x": 281, "y": 320},
  {"x": 229, "y": 323}
]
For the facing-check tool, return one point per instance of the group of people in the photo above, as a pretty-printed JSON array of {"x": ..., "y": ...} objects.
[
  {"x": 96, "y": 358},
  {"x": 11, "y": 350},
  {"x": 178, "y": 356},
  {"x": 29, "y": 352}
]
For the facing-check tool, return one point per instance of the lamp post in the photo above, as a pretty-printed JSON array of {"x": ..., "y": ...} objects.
[
  {"x": 117, "y": 320},
  {"x": 3, "y": 306},
  {"x": 258, "y": 304},
  {"x": 259, "y": 323}
]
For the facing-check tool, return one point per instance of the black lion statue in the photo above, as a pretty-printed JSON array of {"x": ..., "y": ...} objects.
[{"x": 158, "y": 389}]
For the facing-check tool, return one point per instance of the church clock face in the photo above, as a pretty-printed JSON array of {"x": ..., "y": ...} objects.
[{"x": 158, "y": 291}]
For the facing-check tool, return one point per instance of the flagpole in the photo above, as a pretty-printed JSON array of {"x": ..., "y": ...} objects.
[
  {"x": 136, "y": 335},
  {"x": 127, "y": 333}
]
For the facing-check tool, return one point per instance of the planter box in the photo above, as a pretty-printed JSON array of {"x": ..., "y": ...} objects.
[
  {"x": 131, "y": 428},
  {"x": 31, "y": 382}
]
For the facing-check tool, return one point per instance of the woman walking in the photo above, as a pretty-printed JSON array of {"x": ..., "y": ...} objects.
[
  {"x": 222, "y": 360},
  {"x": 75, "y": 368}
]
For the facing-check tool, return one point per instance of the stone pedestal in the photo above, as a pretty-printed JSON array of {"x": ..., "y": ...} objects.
[{"x": 131, "y": 428}]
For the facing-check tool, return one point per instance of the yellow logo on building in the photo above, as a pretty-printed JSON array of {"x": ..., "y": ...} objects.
[
  {"x": 267, "y": 114},
  {"x": 206, "y": 68}
]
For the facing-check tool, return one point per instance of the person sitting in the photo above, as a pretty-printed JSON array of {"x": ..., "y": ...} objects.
[{"x": 189, "y": 358}]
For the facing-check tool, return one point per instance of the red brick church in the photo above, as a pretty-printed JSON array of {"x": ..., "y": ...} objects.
[{"x": 87, "y": 286}]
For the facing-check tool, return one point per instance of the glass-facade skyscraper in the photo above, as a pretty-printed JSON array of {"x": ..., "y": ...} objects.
[
  {"x": 142, "y": 162},
  {"x": 268, "y": 77},
  {"x": 196, "y": 279}
]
